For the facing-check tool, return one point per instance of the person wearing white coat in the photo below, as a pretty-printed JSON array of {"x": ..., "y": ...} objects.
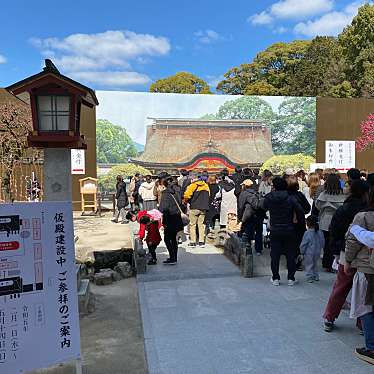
[{"x": 229, "y": 203}]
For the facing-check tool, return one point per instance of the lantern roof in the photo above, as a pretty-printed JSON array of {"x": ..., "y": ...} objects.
[{"x": 51, "y": 75}]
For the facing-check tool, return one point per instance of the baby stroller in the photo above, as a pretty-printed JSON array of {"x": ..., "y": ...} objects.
[{"x": 266, "y": 233}]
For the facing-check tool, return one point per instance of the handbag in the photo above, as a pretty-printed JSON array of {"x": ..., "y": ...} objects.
[{"x": 184, "y": 217}]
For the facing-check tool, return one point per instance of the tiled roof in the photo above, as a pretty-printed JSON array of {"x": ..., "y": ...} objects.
[{"x": 180, "y": 141}]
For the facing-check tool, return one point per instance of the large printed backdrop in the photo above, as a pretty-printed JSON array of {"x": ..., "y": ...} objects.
[{"x": 124, "y": 116}]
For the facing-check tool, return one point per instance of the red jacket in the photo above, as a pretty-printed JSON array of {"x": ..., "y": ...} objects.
[{"x": 153, "y": 231}]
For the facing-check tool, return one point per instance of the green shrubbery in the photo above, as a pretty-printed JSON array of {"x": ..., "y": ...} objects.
[
  {"x": 108, "y": 182},
  {"x": 278, "y": 164}
]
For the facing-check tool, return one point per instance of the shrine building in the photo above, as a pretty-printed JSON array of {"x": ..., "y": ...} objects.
[{"x": 198, "y": 144}]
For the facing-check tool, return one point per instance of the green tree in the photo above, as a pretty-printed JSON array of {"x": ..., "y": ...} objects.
[
  {"x": 237, "y": 79},
  {"x": 269, "y": 73},
  {"x": 342, "y": 90},
  {"x": 113, "y": 143},
  {"x": 261, "y": 88},
  {"x": 182, "y": 82},
  {"x": 294, "y": 130},
  {"x": 278, "y": 164},
  {"x": 357, "y": 41},
  {"x": 108, "y": 182},
  {"x": 248, "y": 107},
  {"x": 321, "y": 71}
]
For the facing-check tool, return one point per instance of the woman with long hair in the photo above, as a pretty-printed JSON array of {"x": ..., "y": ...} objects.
[
  {"x": 327, "y": 204},
  {"x": 310, "y": 191},
  {"x": 265, "y": 184},
  {"x": 172, "y": 220}
]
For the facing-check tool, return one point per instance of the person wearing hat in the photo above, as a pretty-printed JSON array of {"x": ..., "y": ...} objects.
[
  {"x": 197, "y": 195},
  {"x": 251, "y": 215}
]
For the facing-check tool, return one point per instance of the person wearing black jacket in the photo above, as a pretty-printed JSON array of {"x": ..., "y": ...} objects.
[
  {"x": 122, "y": 200},
  {"x": 251, "y": 215},
  {"x": 300, "y": 225},
  {"x": 214, "y": 203},
  {"x": 172, "y": 221},
  {"x": 284, "y": 212},
  {"x": 342, "y": 219},
  {"x": 237, "y": 178}
]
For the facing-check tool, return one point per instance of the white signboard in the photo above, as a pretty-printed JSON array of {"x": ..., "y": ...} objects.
[
  {"x": 340, "y": 154},
  {"x": 39, "y": 319},
  {"x": 78, "y": 163},
  {"x": 314, "y": 166}
]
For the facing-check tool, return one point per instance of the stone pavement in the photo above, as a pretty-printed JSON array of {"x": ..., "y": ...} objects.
[
  {"x": 99, "y": 234},
  {"x": 201, "y": 317},
  {"x": 111, "y": 337}
]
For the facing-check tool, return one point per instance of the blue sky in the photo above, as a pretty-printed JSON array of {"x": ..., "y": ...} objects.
[{"x": 125, "y": 45}]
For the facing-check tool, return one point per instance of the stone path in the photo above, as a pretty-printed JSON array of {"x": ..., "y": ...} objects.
[
  {"x": 201, "y": 317},
  {"x": 99, "y": 234}
]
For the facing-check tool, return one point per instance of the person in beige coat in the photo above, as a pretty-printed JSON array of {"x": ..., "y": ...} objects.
[{"x": 361, "y": 257}]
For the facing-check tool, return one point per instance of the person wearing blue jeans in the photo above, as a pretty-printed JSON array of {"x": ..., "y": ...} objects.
[
  {"x": 368, "y": 326},
  {"x": 359, "y": 254}
]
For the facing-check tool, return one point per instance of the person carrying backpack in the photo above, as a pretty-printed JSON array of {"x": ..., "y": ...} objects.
[{"x": 251, "y": 215}]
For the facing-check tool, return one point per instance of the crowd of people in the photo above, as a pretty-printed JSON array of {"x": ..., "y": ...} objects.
[{"x": 309, "y": 218}]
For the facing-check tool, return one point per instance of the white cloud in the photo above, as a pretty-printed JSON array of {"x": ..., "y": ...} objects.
[
  {"x": 104, "y": 58},
  {"x": 2, "y": 59},
  {"x": 262, "y": 18},
  {"x": 297, "y": 9},
  {"x": 291, "y": 9},
  {"x": 330, "y": 24},
  {"x": 207, "y": 36},
  {"x": 115, "y": 79},
  {"x": 107, "y": 49}
]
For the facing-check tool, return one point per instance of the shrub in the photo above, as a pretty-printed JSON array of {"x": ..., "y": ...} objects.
[
  {"x": 278, "y": 164},
  {"x": 108, "y": 182}
]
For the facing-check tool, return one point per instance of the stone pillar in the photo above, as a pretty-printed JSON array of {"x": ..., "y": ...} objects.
[
  {"x": 246, "y": 261},
  {"x": 57, "y": 175}
]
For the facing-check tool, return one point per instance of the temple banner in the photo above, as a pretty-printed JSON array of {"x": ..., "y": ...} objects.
[{"x": 39, "y": 319}]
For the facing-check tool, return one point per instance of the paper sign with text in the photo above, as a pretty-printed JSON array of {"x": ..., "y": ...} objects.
[
  {"x": 78, "y": 163},
  {"x": 340, "y": 154},
  {"x": 39, "y": 319}
]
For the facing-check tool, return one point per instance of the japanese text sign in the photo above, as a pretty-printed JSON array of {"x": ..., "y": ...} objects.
[
  {"x": 340, "y": 154},
  {"x": 39, "y": 319},
  {"x": 78, "y": 163}
]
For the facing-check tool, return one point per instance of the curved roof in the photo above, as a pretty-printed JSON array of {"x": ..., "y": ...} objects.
[{"x": 181, "y": 141}]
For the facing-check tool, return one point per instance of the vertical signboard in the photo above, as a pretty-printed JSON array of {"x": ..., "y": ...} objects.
[
  {"x": 340, "y": 154},
  {"x": 39, "y": 319},
  {"x": 78, "y": 163}
]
